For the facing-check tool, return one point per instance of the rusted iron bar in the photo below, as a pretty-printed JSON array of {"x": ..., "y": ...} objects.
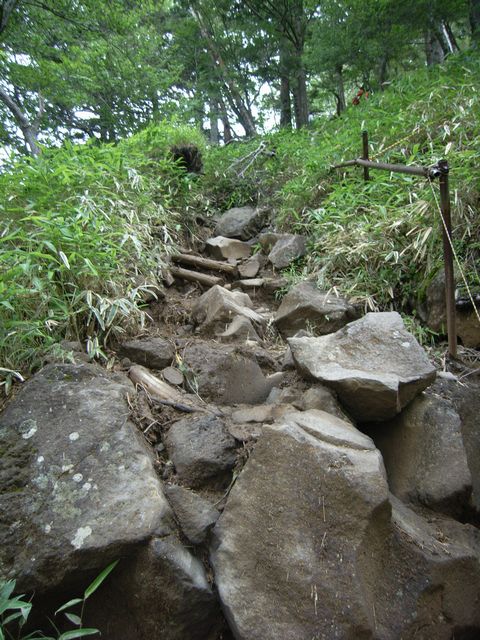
[
  {"x": 448, "y": 258},
  {"x": 426, "y": 172},
  {"x": 366, "y": 174}
]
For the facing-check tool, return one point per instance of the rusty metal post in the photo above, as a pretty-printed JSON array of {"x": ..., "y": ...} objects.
[
  {"x": 366, "y": 174},
  {"x": 448, "y": 258}
]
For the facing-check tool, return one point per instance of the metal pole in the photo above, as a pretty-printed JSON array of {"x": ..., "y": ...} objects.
[
  {"x": 426, "y": 172},
  {"x": 448, "y": 258},
  {"x": 366, "y": 174}
]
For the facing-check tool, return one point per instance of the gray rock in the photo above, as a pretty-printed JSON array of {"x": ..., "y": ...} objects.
[
  {"x": 222, "y": 248},
  {"x": 78, "y": 487},
  {"x": 319, "y": 397},
  {"x": 305, "y": 307},
  {"x": 287, "y": 249},
  {"x": 217, "y": 307},
  {"x": 268, "y": 239},
  {"x": 154, "y": 353},
  {"x": 308, "y": 547},
  {"x": 228, "y": 374},
  {"x": 241, "y": 222},
  {"x": 251, "y": 267},
  {"x": 288, "y": 539},
  {"x": 375, "y": 366},
  {"x": 239, "y": 329},
  {"x": 425, "y": 457},
  {"x": 162, "y": 593},
  {"x": 195, "y": 515},
  {"x": 202, "y": 451},
  {"x": 263, "y": 413}
]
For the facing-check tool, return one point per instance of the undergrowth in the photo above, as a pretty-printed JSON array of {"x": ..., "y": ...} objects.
[
  {"x": 380, "y": 241},
  {"x": 83, "y": 231}
]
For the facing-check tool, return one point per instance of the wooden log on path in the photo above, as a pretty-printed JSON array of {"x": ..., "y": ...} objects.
[
  {"x": 195, "y": 276},
  {"x": 205, "y": 263}
]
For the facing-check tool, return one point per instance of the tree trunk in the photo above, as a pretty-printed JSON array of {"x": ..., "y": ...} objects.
[
  {"x": 450, "y": 37},
  {"x": 6, "y": 10},
  {"x": 285, "y": 101},
  {"x": 383, "y": 71},
  {"x": 300, "y": 98},
  {"x": 474, "y": 16},
  {"x": 340, "y": 90},
  {"x": 233, "y": 94},
  {"x": 433, "y": 49},
  {"x": 227, "y": 130},
  {"x": 28, "y": 128},
  {"x": 214, "y": 132}
]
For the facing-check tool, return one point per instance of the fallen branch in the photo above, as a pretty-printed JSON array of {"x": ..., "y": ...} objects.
[
  {"x": 205, "y": 263},
  {"x": 195, "y": 276}
]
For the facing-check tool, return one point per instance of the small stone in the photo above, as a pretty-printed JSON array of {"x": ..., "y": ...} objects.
[
  {"x": 173, "y": 376},
  {"x": 221, "y": 248},
  {"x": 196, "y": 515},
  {"x": 287, "y": 249}
]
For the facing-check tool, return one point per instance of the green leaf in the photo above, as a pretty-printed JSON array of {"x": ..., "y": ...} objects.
[
  {"x": 69, "y": 604},
  {"x": 78, "y": 633},
  {"x": 99, "y": 579},
  {"x": 74, "y": 619}
]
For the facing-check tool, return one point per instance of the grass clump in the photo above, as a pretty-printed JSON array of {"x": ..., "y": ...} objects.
[{"x": 83, "y": 229}]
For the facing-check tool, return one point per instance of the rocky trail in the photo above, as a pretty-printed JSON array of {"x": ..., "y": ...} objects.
[{"x": 263, "y": 470}]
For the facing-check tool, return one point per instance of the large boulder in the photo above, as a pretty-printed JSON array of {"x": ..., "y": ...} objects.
[
  {"x": 424, "y": 455},
  {"x": 162, "y": 593},
  {"x": 375, "y": 366},
  {"x": 78, "y": 489},
  {"x": 241, "y": 222},
  {"x": 70, "y": 458},
  {"x": 217, "y": 307},
  {"x": 307, "y": 546},
  {"x": 305, "y": 307},
  {"x": 288, "y": 248}
]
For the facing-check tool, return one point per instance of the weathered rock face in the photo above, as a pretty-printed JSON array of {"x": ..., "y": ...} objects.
[
  {"x": 195, "y": 515},
  {"x": 307, "y": 546},
  {"x": 218, "y": 306},
  {"x": 162, "y": 593},
  {"x": 202, "y": 451},
  {"x": 251, "y": 267},
  {"x": 305, "y": 306},
  {"x": 287, "y": 248},
  {"x": 375, "y": 366},
  {"x": 224, "y": 248},
  {"x": 227, "y": 374},
  {"x": 240, "y": 329},
  {"x": 287, "y": 542},
  {"x": 241, "y": 222},
  {"x": 71, "y": 458},
  {"x": 155, "y": 353},
  {"x": 425, "y": 457}
]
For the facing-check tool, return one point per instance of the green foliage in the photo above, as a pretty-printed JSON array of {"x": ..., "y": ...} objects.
[
  {"x": 15, "y": 611},
  {"x": 76, "y": 240},
  {"x": 378, "y": 241}
]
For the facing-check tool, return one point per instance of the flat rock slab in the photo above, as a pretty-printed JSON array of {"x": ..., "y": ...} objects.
[
  {"x": 154, "y": 353},
  {"x": 222, "y": 248},
  {"x": 241, "y": 222},
  {"x": 306, "y": 307},
  {"x": 288, "y": 248},
  {"x": 78, "y": 487},
  {"x": 425, "y": 456},
  {"x": 202, "y": 451},
  {"x": 375, "y": 366}
]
